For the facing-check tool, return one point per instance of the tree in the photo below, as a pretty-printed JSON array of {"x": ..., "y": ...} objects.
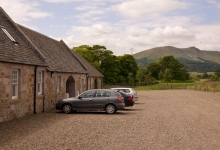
[
  {"x": 205, "y": 75},
  {"x": 177, "y": 70},
  {"x": 127, "y": 65},
  {"x": 116, "y": 69},
  {"x": 214, "y": 77},
  {"x": 148, "y": 78},
  {"x": 140, "y": 73},
  {"x": 103, "y": 60},
  {"x": 217, "y": 72},
  {"x": 161, "y": 76},
  {"x": 167, "y": 75},
  {"x": 131, "y": 79},
  {"x": 154, "y": 68}
]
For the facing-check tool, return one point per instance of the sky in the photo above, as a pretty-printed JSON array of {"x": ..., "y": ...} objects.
[{"x": 122, "y": 26}]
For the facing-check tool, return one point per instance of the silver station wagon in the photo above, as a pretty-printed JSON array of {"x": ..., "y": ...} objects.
[
  {"x": 108, "y": 100},
  {"x": 128, "y": 91}
]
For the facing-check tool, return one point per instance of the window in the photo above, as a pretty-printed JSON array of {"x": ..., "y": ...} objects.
[
  {"x": 88, "y": 94},
  {"x": 58, "y": 83},
  {"x": 8, "y": 34},
  {"x": 40, "y": 82},
  {"x": 14, "y": 84},
  {"x": 103, "y": 94}
]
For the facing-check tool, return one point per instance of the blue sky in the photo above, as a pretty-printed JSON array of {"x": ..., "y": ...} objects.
[{"x": 122, "y": 25}]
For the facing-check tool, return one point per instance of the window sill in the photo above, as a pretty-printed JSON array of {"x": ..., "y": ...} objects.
[{"x": 15, "y": 101}]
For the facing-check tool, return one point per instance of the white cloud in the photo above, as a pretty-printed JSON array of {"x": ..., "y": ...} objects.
[
  {"x": 171, "y": 33},
  {"x": 140, "y": 8},
  {"x": 89, "y": 14},
  {"x": 98, "y": 1},
  {"x": 22, "y": 11},
  {"x": 207, "y": 36},
  {"x": 86, "y": 7},
  {"x": 120, "y": 40},
  {"x": 215, "y": 3}
]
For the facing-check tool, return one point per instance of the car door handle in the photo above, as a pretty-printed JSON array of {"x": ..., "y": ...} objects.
[{"x": 90, "y": 100}]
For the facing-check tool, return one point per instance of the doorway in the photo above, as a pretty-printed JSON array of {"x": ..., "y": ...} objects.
[{"x": 70, "y": 86}]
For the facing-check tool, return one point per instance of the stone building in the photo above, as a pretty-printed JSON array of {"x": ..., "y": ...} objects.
[{"x": 36, "y": 71}]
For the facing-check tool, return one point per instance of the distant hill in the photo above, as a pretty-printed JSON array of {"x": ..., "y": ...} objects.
[{"x": 192, "y": 58}]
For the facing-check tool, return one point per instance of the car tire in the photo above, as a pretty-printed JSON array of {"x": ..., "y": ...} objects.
[
  {"x": 110, "y": 109},
  {"x": 67, "y": 108}
]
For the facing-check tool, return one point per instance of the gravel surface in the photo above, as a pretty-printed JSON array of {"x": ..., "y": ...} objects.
[{"x": 168, "y": 119}]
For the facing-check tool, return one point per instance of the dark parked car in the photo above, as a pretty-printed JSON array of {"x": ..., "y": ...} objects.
[
  {"x": 98, "y": 99},
  {"x": 128, "y": 91},
  {"x": 128, "y": 99}
]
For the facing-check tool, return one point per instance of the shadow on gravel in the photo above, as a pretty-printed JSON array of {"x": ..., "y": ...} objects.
[
  {"x": 121, "y": 112},
  {"x": 132, "y": 109},
  {"x": 139, "y": 103}
]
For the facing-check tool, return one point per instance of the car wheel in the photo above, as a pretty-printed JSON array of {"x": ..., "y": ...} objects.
[
  {"x": 67, "y": 108},
  {"x": 110, "y": 109}
]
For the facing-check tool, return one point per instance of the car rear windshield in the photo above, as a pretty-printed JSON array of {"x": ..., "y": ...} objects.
[{"x": 124, "y": 90}]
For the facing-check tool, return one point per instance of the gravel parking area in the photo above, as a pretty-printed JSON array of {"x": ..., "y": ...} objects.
[{"x": 168, "y": 119}]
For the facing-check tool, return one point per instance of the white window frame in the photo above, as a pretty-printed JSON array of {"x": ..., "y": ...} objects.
[
  {"x": 15, "y": 83},
  {"x": 58, "y": 83},
  {"x": 40, "y": 82}
]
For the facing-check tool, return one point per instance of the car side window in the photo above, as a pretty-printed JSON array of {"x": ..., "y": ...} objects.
[
  {"x": 87, "y": 94},
  {"x": 108, "y": 94},
  {"x": 103, "y": 94}
]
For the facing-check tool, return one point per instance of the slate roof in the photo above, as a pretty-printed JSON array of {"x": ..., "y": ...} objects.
[
  {"x": 37, "y": 49},
  {"x": 58, "y": 57},
  {"x": 15, "y": 53}
]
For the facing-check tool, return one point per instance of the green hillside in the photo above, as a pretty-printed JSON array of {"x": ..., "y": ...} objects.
[{"x": 192, "y": 58}]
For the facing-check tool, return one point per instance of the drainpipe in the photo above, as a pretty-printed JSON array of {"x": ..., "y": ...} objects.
[
  {"x": 35, "y": 87},
  {"x": 43, "y": 103},
  {"x": 87, "y": 81}
]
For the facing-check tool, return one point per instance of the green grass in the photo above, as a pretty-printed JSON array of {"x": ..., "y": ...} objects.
[{"x": 200, "y": 86}]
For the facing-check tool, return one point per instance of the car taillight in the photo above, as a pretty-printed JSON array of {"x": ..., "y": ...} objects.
[
  {"x": 120, "y": 99},
  {"x": 130, "y": 98}
]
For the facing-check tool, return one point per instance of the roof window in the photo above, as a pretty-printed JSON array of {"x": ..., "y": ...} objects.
[{"x": 9, "y": 35}]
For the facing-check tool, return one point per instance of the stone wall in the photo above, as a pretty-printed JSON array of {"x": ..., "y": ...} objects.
[{"x": 24, "y": 104}]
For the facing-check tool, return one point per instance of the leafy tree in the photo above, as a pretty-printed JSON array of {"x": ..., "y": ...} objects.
[
  {"x": 167, "y": 75},
  {"x": 140, "y": 73},
  {"x": 205, "y": 75},
  {"x": 148, "y": 78},
  {"x": 217, "y": 72},
  {"x": 177, "y": 70},
  {"x": 161, "y": 76},
  {"x": 131, "y": 79},
  {"x": 154, "y": 68},
  {"x": 110, "y": 69},
  {"x": 214, "y": 77},
  {"x": 102, "y": 59},
  {"x": 127, "y": 65},
  {"x": 115, "y": 68}
]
